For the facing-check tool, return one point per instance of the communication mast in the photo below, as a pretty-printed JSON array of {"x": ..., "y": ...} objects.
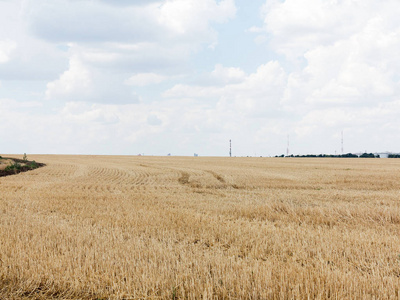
[
  {"x": 230, "y": 148},
  {"x": 287, "y": 150},
  {"x": 342, "y": 143}
]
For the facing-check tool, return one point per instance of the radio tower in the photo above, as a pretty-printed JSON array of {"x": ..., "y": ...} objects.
[
  {"x": 230, "y": 148},
  {"x": 287, "y": 150},
  {"x": 342, "y": 143}
]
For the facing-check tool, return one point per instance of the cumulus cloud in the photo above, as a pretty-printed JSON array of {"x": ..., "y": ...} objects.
[
  {"x": 86, "y": 21},
  {"x": 144, "y": 79},
  {"x": 183, "y": 17},
  {"x": 257, "y": 91},
  {"x": 227, "y": 75},
  {"x": 357, "y": 70},
  {"x": 243, "y": 108},
  {"x": 22, "y": 57},
  {"x": 76, "y": 80},
  {"x": 91, "y": 22},
  {"x": 129, "y": 2},
  {"x": 83, "y": 83},
  {"x": 107, "y": 44},
  {"x": 339, "y": 72},
  {"x": 346, "y": 50},
  {"x": 167, "y": 29},
  {"x": 142, "y": 75},
  {"x": 297, "y": 26},
  {"x": 154, "y": 120},
  {"x": 6, "y": 49}
]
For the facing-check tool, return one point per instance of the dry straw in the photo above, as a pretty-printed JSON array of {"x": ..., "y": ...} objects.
[{"x": 90, "y": 227}]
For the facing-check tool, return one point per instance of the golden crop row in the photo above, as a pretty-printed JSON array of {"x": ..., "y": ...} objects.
[{"x": 124, "y": 227}]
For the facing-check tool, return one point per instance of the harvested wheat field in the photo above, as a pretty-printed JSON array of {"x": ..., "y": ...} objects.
[{"x": 119, "y": 227}]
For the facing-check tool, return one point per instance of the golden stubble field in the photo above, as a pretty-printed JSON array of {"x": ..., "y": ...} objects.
[{"x": 120, "y": 227}]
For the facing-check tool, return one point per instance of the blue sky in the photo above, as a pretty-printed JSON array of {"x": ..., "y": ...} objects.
[{"x": 185, "y": 76}]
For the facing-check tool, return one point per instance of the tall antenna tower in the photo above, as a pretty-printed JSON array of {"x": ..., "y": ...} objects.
[
  {"x": 342, "y": 143},
  {"x": 287, "y": 150},
  {"x": 230, "y": 148}
]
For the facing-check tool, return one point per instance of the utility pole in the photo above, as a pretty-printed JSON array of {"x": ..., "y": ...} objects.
[{"x": 230, "y": 148}]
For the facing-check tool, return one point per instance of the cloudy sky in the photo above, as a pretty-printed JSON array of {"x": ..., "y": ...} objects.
[{"x": 185, "y": 76}]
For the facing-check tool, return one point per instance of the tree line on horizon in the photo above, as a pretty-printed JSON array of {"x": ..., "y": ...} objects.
[{"x": 347, "y": 155}]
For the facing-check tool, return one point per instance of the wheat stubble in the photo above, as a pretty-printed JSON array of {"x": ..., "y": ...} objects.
[{"x": 89, "y": 227}]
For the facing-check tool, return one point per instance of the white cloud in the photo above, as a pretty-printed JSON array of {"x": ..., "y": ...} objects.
[
  {"x": 89, "y": 21},
  {"x": 7, "y": 104},
  {"x": 185, "y": 22},
  {"x": 227, "y": 75},
  {"x": 327, "y": 66},
  {"x": 297, "y": 26},
  {"x": 129, "y": 2},
  {"x": 23, "y": 57},
  {"x": 109, "y": 43},
  {"x": 82, "y": 82},
  {"x": 154, "y": 120},
  {"x": 144, "y": 79},
  {"x": 77, "y": 80},
  {"x": 185, "y": 91},
  {"x": 6, "y": 49},
  {"x": 184, "y": 17},
  {"x": 248, "y": 110},
  {"x": 256, "y": 95},
  {"x": 80, "y": 112},
  {"x": 358, "y": 70}
]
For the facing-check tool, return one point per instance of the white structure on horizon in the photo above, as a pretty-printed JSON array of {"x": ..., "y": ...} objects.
[
  {"x": 385, "y": 154},
  {"x": 381, "y": 154}
]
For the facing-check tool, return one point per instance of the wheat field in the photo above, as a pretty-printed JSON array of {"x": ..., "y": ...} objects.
[{"x": 124, "y": 227}]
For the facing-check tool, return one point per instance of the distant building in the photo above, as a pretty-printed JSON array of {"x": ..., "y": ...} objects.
[
  {"x": 387, "y": 154},
  {"x": 195, "y": 155}
]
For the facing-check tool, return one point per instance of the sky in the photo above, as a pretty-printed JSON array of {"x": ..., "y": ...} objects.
[{"x": 186, "y": 76}]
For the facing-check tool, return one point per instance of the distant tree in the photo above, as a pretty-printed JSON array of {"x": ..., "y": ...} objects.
[
  {"x": 348, "y": 155},
  {"x": 367, "y": 155}
]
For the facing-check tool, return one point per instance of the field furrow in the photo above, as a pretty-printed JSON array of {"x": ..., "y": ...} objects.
[{"x": 123, "y": 227}]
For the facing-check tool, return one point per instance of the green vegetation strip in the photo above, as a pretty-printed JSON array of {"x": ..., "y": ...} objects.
[{"x": 19, "y": 166}]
